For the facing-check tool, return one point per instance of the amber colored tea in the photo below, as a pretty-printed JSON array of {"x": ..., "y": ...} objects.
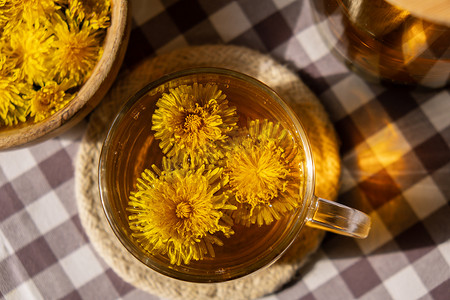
[
  {"x": 134, "y": 148},
  {"x": 386, "y": 43}
]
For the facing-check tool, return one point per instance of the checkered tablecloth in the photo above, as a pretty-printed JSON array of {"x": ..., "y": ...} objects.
[{"x": 396, "y": 167}]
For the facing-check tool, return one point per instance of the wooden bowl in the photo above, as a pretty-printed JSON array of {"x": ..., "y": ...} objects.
[{"x": 90, "y": 94}]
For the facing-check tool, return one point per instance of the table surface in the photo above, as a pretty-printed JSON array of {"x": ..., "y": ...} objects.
[{"x": 395, "y": 155}]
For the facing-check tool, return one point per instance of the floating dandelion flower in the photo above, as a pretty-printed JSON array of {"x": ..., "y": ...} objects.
[
  {"x": 264, "y": 172},
  {"x": 77, "y": 49},
  {"x": 50, "y": 98},
  {"x": 177, "y": 210},
  {"x": 195, "y": 120}
]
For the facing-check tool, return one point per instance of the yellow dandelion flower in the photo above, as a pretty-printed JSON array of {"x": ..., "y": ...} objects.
[
  {"x": 264, "y": 172},
  {"x": 14, "y": 104},
  {"x": 50, "y": 98},
  {"x": 77, "y": 50},
  {"x": 93, "y": 11},
  {"x": 195, "y": 120},
  {"x": 33, "y": 11},
  {"x": 8, "y": 11},
  {"x": 7, "y": 66},
  {"x": 29, "y": 47},
  {"x": 46, "y": 47},
  {"x": 177, "y": 211}
]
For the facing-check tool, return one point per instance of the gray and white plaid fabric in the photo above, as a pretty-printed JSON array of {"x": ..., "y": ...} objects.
[{"x": 396, "y": 166}]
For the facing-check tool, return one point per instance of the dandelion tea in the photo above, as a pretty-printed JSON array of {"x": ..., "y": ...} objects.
[
  {"x": 208, "y": 173},
  {"x": 387, "y": 43}
]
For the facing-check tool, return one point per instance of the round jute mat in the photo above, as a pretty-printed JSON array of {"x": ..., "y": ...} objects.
[{"x": 290, "y": 88}]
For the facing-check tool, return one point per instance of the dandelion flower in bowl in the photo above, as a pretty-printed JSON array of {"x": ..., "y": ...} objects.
[
  {"x": 14, "y": 104},
  {"x": 50, "y": 98},
  {"x": 45, "y": 46},
  {"x": 30, "y": 48},
  {"x": 97, "y": 12},
  {"x": 77, "y": 49}
]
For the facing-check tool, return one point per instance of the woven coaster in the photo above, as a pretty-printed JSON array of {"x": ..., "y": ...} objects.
[{"x": 290, "y": 88}]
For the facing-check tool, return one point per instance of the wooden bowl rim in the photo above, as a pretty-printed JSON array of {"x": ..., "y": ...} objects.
[{"x": 16, "y": 137}]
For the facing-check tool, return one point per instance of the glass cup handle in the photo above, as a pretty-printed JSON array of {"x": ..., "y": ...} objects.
[{"x": 338, "y": 218}]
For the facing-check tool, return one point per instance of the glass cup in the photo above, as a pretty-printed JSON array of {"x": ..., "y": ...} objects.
[
  {"x": 130, "y": 148},
  {"x": 408, "y": 44}
]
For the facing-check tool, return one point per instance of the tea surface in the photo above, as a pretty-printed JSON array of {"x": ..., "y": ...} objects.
[{"x": 385, "y": 42}]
